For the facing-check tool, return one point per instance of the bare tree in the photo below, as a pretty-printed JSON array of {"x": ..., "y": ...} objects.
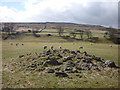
[
  {"x": 113, "y": 34},
  {"x": 8, "y": 27},
  {"x": 89, "y": 34},
  {"x": 60, "y": 30},
  {"x": 73, "y": 34},
  {"x": 81, "y": 35}
]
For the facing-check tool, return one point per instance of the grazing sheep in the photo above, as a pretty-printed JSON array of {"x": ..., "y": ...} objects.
[
  {"x": 51, "y": 47},
  {"x": 17, "y": 44},
  {"x": 22, "y": 44},
  {"x": 45, "y": 47},
  {"x": 80, "y": 47},
  {"x": 91, "y": 43},
  {"x": 60, "y": 47},
  {"x": 11, "y": 43},
  {"x": 110, "y": 45}
]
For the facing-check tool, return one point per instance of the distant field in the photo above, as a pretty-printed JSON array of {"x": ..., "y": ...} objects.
[
  {"x": 33, "y": 44},
  {"x": 102, "y": 50}
]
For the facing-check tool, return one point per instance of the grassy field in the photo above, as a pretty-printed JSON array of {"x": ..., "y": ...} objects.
[{"x": 42, "y": 80}]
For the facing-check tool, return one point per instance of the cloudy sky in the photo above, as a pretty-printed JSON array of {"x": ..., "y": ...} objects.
[{"x": 97, "y": 12}]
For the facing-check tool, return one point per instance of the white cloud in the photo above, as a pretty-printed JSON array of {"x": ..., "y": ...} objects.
[
  {"x": 7, "y": 14},
  {"x": 77, "y": 11}
]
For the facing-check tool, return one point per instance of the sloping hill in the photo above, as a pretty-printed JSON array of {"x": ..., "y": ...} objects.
[{"x": 53, "y": 25}]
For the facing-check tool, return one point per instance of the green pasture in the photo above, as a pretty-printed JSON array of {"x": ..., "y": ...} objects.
[{"x": 42, "y": 80}]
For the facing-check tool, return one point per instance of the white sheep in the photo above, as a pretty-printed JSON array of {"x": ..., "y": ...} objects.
[
  {"x": 91, "y": 43},
  {"x": 60, "y": 47},
  {"x": 80, "y": 47},
  {"x": 17, "y": 44},
  {"x": 45, "y": 47},
  {"x": 110, "y": 45},
  {"x": 11, "y": 43}
]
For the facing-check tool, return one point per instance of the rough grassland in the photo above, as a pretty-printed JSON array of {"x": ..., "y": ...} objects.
[{"x": 43, "y": 80}]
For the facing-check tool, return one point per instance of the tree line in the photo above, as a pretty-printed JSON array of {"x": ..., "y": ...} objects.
[
  {"x": 113, "y": 35},
  {"x": 110, "y": 34},
  {"x": 75, "y": 32}
]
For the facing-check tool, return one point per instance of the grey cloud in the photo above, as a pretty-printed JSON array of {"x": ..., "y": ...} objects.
[{"x": 102, "y": 13}]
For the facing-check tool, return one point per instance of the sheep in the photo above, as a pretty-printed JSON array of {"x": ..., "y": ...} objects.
[
  {"x": 45, "y": 47},
  {"x": 11, "y": 43},
  {"x": 60, "y": 47},
  {"x": 22, "y": 44},
  {"x": 17, "y": 44},
  {"x": 51, "y": 47},
  {"x": 80, "y": 47},
  {"x": 91, "y": 43},
  {"x": 110, "y": 45}
]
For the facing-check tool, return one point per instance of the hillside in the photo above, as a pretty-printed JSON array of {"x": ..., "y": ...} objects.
[{"x": 53, "y": 25}]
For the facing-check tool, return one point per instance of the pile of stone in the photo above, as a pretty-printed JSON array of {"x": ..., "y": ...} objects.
[{"x": 61, "y": 62}]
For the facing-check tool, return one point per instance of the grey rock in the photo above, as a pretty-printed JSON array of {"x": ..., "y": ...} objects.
[
  {"x": 48, "y": 52},
  {"x": 53, "y": 62},
  {"x": 67, "y": 58},
  {"x": 71, "y": 64},
  {"x": 83, "y": 60},
  {"x": 57, "y": 69},
  {"x": 77, "y": 57},
  {"x": 21, "y": 56},
  {"x": 33, "y": 66},
  {"x": 60, "y": 56},
  {"x": 74, "y": 70},
  {"x": 44, "y": 64},
  {"x": 35, "y": 58},
  {"x": 51, "y": 71},
  {"x": 61, "y": 74},
  {"x": 110, "y": 63},
  {"x": 55, "y": 51},
  {"x": 67, "y": 68},
  {"x": 66, "y": 50},
  {"x": 85, "y": 52},
  {"x": 78, "y": 62},
  {"x": 73, "y": 52},
  {"x": 78, "y": 68},
  {"x": 86, "y": 60},
  {"x": 44, "y": 55},
  {"x": 78, "y": 51},
  {"x": 53, "y": 59}
]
